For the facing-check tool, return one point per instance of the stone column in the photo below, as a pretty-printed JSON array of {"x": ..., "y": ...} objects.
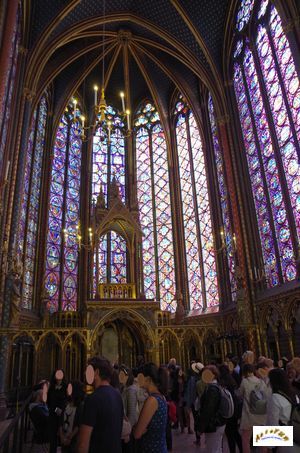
[{"x": 8, "y": 34}]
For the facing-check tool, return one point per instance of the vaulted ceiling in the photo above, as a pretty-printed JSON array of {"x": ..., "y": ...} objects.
[{"x": 150, "y": 47}]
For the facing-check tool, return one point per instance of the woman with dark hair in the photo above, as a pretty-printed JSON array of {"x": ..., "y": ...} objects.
[
  {"x": 280, "y": 404},
  {"x": 210, "y": 420},
  {"x": 70, "y": 420},
  {"x": 57, "y": 398},
  {"x": 152, "y": 422},
  {"x": 232, "y": 428}
]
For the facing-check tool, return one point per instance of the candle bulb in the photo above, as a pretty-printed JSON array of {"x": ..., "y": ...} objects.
[
  {"x": 123, "y": 102},
  {"x": 234, "y": 240},
  {"x": 82, "y": 120},
  {"x": 7, "y": 170},
  {"x": 222, "y": 237},
  {"x": 128, "y": 118},
  {"x": 75, "y": 108},
  {"x": 95, "y": 95}
]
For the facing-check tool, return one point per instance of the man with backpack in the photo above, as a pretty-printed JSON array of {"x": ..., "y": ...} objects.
[
  {"x": 254, "y": 394},
  {"x": 216, "y": 407}
]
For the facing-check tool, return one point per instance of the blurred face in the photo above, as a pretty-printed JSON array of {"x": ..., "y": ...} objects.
[
  {"x": 59, "y": 376},
  {"x": 180, "y": 373},
  {"x": 90, "y": 375},
  {"x": 291, "y": 374}
]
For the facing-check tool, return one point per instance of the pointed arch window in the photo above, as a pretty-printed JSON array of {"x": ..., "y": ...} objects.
[
  {"x": 224, "y": 201},
  {"x": 109, "y": 161},
  {"x": 267, "y": 92},
  {"x": 61, "y": 279},
  {"x": 154, "y": 200},
  {"x": 29, "y": 217},
  {"x": 200, "y": 256}
]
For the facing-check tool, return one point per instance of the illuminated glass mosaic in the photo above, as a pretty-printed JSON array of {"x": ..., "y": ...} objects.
[
  {"x": 200, "y": 255},
  {"x": 109, "y": 161},
  {"x": 29, "y": 217},
  {"x": 62, "y": 249},
  {"x": 267, "y": 92},
  {"x": 153, "y": 193}
]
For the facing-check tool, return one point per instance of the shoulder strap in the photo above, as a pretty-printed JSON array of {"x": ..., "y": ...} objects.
[{"x": 285, "y": 396}]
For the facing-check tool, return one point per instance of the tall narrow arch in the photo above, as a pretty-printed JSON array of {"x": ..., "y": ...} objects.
[
  {"x": 154, "y": 200},
  {"x": 267, "y": 92}
]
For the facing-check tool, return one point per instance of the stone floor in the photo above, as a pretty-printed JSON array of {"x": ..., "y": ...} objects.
[{"x": 184, "y": 443}]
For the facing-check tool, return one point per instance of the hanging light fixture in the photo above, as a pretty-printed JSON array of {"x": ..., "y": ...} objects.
[{"x": 102, "y": 119}]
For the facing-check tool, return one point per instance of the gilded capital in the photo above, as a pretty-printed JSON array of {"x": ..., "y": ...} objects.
[
  {"x": 23, "y": 50},
  {"x": 28, "y": 94},
  {"x": 222, "y": 120}
]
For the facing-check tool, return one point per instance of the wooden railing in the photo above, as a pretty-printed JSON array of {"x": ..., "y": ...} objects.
[
  {"x": 13, "y": 439},
  {"x": 117, "y": 291}
]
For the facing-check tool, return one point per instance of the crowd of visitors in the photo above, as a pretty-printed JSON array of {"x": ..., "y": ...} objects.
[{"x": 136, "y": 410}]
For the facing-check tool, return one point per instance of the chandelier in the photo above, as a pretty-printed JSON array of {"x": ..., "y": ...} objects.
[{"x": 101, "y": 117}]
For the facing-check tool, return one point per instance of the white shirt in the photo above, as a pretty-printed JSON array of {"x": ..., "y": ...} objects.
[{"x": 279, "y": 409}]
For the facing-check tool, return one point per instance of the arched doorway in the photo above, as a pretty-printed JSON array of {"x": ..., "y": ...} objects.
[
  {"x": 49, "y": 356},
  {"x": 22, "y": 362},
  {"x": 123, "y": 340},
  {"x": 74, "y": 357}
]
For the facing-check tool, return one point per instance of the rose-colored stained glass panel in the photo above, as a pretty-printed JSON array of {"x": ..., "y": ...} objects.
[
  {"x": 189, "y": 219},
  {"x": 163, "y": 215},
  {"x": 32, "y": 194},
  {"x": 205, "y": 224},
  {"x": 145, "y": 201}
]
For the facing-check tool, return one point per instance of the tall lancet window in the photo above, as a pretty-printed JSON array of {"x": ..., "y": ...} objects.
[
  {"x": 229, "y": 240},
  {"x": 200, "y": 255},
  {"x": 61, "y": 279},
  {"x": 268, "y": 98},
  {"x": 29, "y": 218},
  {"x": 154, "y": 200},
  {"x": 109, "y": 162}
]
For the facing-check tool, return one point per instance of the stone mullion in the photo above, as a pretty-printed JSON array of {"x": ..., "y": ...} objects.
[
  {"x": 228, "y": 142},
  {"x": 85, "y": 257}
]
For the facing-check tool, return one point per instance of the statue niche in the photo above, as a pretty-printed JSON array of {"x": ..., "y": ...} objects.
[{"x": 14, "y": 285}]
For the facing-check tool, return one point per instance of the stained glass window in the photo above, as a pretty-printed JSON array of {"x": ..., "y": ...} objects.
[
  {"x": 109, "y": 161},
  {"x": 9, "y": 83},
  {"x": 153, "y": 193},
  {"x": 62, "y": 248},
  {"x": 267, "y": 92},
  {"x": 200, "y": 254},
  {"x": 28, "y": 222},
  {"x": 223, "y": 196}
]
